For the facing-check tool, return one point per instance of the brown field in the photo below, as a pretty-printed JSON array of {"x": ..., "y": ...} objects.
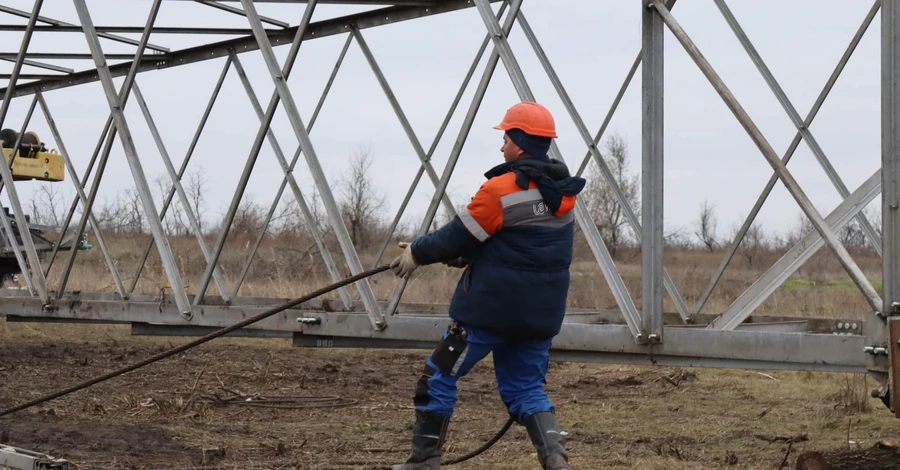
[{"x": 351, "y": 409}]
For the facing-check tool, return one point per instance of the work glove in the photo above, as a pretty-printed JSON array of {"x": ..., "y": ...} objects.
[
  {"x": 405, "y": 264},
  {"x": 457, "y": 263}
]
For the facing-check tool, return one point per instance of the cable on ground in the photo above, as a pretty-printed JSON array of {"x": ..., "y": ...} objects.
[{"x": 225, "y": 331}]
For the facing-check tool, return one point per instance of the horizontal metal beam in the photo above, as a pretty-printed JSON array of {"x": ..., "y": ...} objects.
[
  {"x": 133, "y": 29},
  {"x": 41, "y": 65},
  {"x": 51, "y": 21},
  {"x": 149, "y": 55},
  {"x": 757, "y": 349},
  {"x": 341, "y": 2},
  {"x": 320, "y": 29},
  {"x": 30, "y": 76},
  {"x": 238, "y": 11},
  {"x": 324, "y": 305}
]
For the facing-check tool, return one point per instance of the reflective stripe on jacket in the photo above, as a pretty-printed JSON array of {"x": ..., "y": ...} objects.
[{"x": 517, "y": 233}]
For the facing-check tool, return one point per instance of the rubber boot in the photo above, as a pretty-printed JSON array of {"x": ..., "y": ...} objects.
[
  {"x": 547, "y": 441},
  {"x": 428, "y": 437}
]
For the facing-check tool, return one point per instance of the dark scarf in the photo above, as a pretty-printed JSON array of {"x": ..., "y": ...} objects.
[{"x": 551, "y": 177}]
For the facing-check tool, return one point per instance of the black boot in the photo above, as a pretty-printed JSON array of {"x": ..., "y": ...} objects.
[
  {"x": 547, "y": 440},
  {"x": 429, "y": 433}
]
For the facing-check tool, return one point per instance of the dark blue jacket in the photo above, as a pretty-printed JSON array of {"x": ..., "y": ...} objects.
[{"x": 517, "y": 234}]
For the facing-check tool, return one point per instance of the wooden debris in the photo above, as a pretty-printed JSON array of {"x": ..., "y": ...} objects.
[{"x": 883, "y": 455}]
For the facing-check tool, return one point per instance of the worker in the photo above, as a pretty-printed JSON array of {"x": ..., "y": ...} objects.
[{"x": 514, "y": 240}]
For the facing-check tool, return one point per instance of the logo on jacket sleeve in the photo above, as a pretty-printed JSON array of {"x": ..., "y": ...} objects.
[{"x": 539, "y": 208}]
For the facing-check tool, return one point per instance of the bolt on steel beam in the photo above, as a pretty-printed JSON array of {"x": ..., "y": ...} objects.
[
  {"x": 51, "y": 21},
  {"x": 652, "y": 171},
  {"x": 795, "y": 257},
  {"x": 594, "y": 151},
  {"x": 456, "y": 151},
  {"x": 872, "y": 236},
  {"x": 176, "y": 184},
  {"x": 143, "y": 189},
  {"x": 289, "y": 176},
  {"x": 401, "y": 116},
  {"x": 768, "y": 152},
  {"x": 40, "y": 282},
  {"x": 757, "y": 206},
  {"x": 183, "y": 168},
  {"x": 79, "y": 189},
  {"x": 604, "y": 259},
  {"x": 290, "y": 107}
]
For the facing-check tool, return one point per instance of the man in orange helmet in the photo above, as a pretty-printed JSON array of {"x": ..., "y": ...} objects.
[{"x": 515, "y": 241}]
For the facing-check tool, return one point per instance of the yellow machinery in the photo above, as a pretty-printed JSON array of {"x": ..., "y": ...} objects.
[{"x": 33, "y": 161}]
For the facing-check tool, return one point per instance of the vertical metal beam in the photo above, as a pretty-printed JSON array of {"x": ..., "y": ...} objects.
[
  {"x": 35, "y": 272},
  {"x": 131, "y": 156},
  {"x": 601, "y": 253},
  {"x": 176, "y": 184},
  {"x": 792, "y": 113},
  {"x": 594, "y": 151},
  {"x": 252, "y": 157},
  {"x": 290, "y": 107},
  {"x": 877, "y": 332},
  {"x": 79, "y": 189},
  {"x": 769, "y": 153},
  {"x": 437, "y": 139},
  {"x": 184, "y": 164},
  {"x": 652, "y": 150},
  {"x": 820, "y": 100},
  {"x": 401, "y": 116},
  {"x": 289, "y": 176}
]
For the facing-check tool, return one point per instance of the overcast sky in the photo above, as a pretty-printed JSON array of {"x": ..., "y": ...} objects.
[{"x": 590, "y": 43}]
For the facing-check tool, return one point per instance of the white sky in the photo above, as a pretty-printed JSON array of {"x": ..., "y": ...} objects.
[{"x": 590, "y": 43}]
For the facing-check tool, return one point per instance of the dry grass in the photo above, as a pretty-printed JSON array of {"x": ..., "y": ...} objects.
[{"x": 287, "y": 266}]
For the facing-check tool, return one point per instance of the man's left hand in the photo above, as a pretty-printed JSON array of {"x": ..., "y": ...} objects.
[{"x": 405, "y": 264}]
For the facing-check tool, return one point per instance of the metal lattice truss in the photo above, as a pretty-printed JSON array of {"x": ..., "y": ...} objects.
[{"x": 367, "y": 322}]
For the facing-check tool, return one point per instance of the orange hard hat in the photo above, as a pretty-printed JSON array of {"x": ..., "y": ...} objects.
[{"x": 531, "y": 118}]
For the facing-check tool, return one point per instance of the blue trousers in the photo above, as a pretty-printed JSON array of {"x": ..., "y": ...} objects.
[{"x": 520, "y": 368}]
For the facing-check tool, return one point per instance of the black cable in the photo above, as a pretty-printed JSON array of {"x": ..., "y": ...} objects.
[
  {"x": 225, "y": 331},
  {"x": 196, "y": 342},
  {"x": 487, "y": 445}
]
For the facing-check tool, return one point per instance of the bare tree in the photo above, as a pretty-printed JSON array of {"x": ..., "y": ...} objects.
[
  {"x": 601, "y": 202},
  {"x": 48, "y": 205},
  {"x": 754, "y": 244},
  {"x": 361, "y": 202},
  {"x": 195, "y": 190},
  {"x": 706, "y": 227}
]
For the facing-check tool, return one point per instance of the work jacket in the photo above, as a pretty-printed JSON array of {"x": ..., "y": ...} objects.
[{"x": 517, "y": 235}]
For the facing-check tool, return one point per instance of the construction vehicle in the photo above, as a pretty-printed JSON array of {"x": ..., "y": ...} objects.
[{"x": 32, "y": 162}]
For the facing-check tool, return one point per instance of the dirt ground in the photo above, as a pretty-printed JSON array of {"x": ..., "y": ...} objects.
[{"x": 351, "y": 409}]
